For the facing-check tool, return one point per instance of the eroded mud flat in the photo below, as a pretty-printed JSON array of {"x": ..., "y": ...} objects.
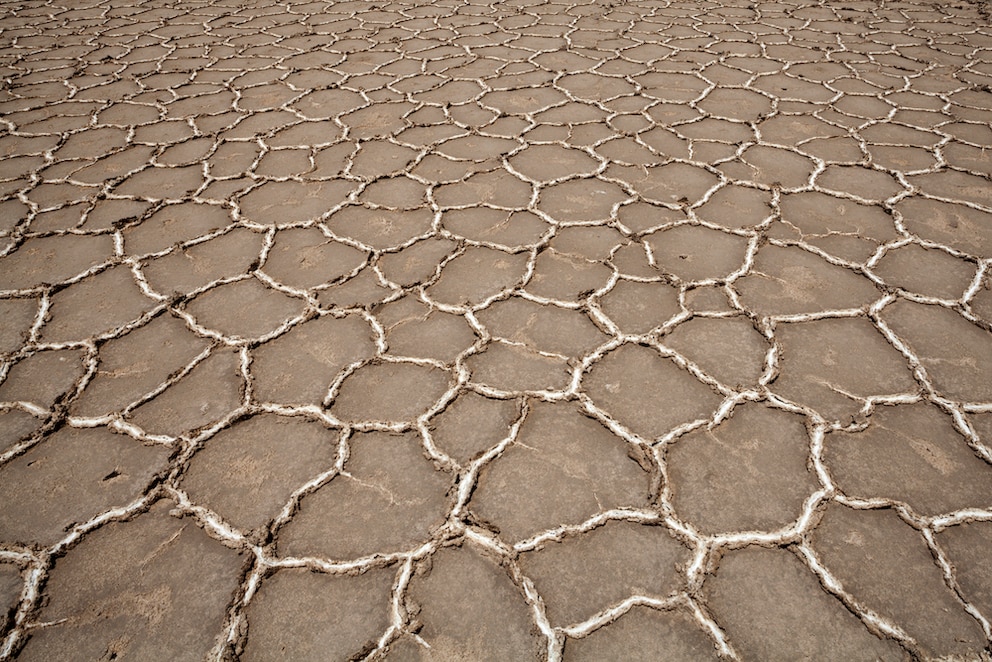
[{"x": 523, "y": 330}]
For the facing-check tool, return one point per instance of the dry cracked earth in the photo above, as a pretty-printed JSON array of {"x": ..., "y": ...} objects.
[{"x": 519, "y": 330}]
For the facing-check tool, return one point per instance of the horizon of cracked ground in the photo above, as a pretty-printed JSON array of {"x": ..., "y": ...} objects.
[{"x": 495, "y": 330}]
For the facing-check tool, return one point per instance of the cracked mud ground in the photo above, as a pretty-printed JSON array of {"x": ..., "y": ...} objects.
[{"x": 520, "y": 330}]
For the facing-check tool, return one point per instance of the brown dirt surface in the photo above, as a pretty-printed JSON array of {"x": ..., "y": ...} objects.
[{"x": 459, "y": 330}]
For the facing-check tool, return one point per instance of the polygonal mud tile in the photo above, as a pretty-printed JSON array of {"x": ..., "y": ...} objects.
[
  {"x": 498, "y": 188},
  {"x": 563, "y": 469},
  {"x": 381, "y": 228},
  {"x": 389, "y": 392},
  {"x": 904, "y": 159},
  {"x": 663, "y": 142},
  {"x": 968, "y": 157},
  {"x": 129, "y": 587},
  {"x": 667, "y": 184},
  {"x": 472, "y": 424},
  {"x": 279, "y": 203},
  {"x": 16, "y": 426},
  {"x": 632, "y": 261},
  {"x": 279, "y": 163},
  {"x": 954, "y": 225},
  {"x": 430, "y": 136},
  {"x": 710, "y": 128},
  {"x": 727, "y": 348},
  {"x": 773, "y": 608},
  {"x": 478, "y": 274},
  {"x": 377, "y": 121},
  {"x": 898, "y": 134},
  {"x": 579, "y": 576},
  {"x": 956, "y": 353},
  {"x": 566, "y": 278},
  {"x": 589, "y": 242},
  {"x": 867, "y": 108},
  {"x": 302, "y": 615},
  {"x": 955, "y": 185},
  {"x": 210, "y": 391},
  {"x": 929, "y": 272},
  {"x": 581, "y": 200},
  {"x": 639, "y": 634},
  {"x": 186, "y": 152},
  {"x": 771, "y": 166},
  {"x": 231, "y": 159},
  {"x": 306, "y": 258},
  {"x": 163, "y": 183},
  {"x": 53, "y": 259},
  {"x": 416, "y": 263},
  {"x": 489, "y": 622},
  {"x": 16, "y": 318},
  {"x": 860, "y": 181},
  {"x": 545, "y": 328},
  {"x": 647, "y": 392},
  {"x": 910, "y": 453},
  {"x": 736, "y": 207},
  {"x": 51, "y": 196},
  {"x": 827, "y": 363},
  {"x": 886, "y": 565},
  {"x": 670, "y": 86},
  {"x": 133, "y": 365},
  {"x": 640, "y": 217},
  {"x": 627, "y": 151},
  {"x": 819, "y": 214},
  {"x": 235, "y": 252},
  {"x": 265, "y": 97},
  {"x": 790, "y": 130},
  {"x": 694, "y": 253},
  {"x": 86, "y": 309},
  {"x": 477, "y": 148},
  {"x": 248, "y": 471},
  {"x": 550, "y": 162},
  {"x": 842, "y": 150},
  {"x": 518, "y": 368},
  {"x": 15, "y": 212},
  {"x": 451, "y": 91},
  {"x": 389, "y": 501},
  {"x": 115, "y": 165},
  {"x": 325, "y": 104},
  {"x": 735, "y": 103},
  {"x": 259, "y": 124},
  {"x": 530, "y": 100},
  {"x": 783, "y": 86},
  {"x": 967, "y": 547},
  {"x": 244, "y": 309},
  {"x": 707, "y": 298},
  {"x": 69, "y": 478},
  {"x": 510, "y": 229},
  {"x": 593, "y": 87},
  {"x": 42, "y": 377},
  {"x": 398, "y": 192},
  {"x": 201, "y": 104},
  {"x": 436, "y": 335},
  {"x": 364, "y": 290},
  {"x": 748, "y": 474},
  {"x": 91, "y": 143},
  {"x": 981, "y": 303},
  {"x": 638, "y": 307},
  {"x": 377, "y": 158},
  {"x": 787, "y": 280},
  {"x": 11, "y": 585},
  {"x": 298, "y": 367}
]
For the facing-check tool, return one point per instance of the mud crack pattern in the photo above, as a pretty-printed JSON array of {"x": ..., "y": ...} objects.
[{"x": 510, "y": 330}]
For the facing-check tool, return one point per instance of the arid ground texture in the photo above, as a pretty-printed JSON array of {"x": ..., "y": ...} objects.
[{"x": 495, "y": 330}]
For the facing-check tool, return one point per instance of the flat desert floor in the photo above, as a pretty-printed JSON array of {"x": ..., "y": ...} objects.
[{"x": 495, "y": 330}]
